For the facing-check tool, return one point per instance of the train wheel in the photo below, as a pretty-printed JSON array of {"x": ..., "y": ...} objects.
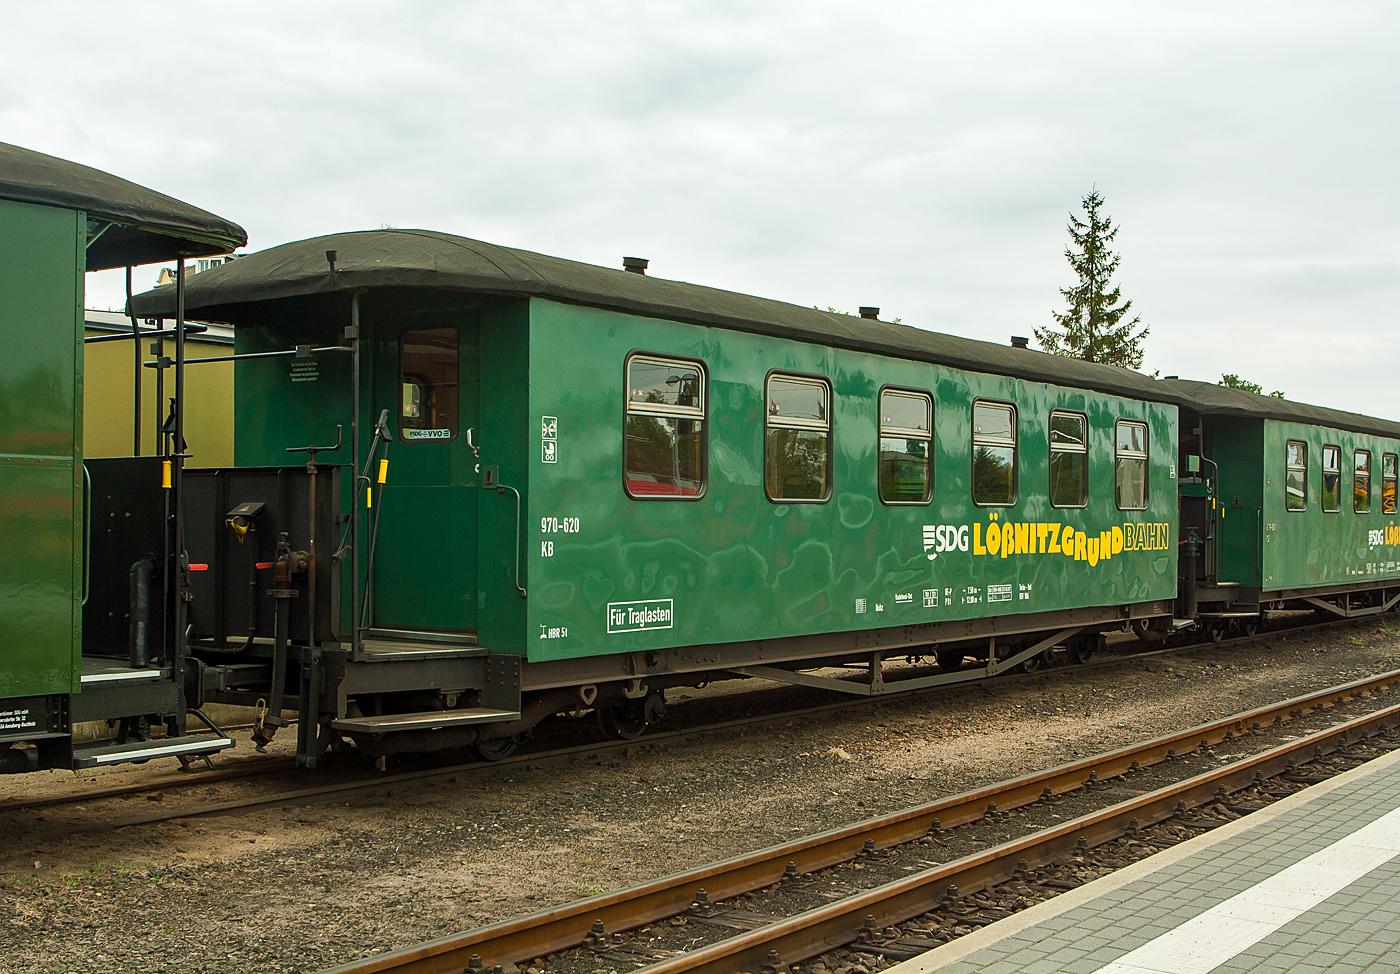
[
  {"x": 1080, "y": 651},
  {"x": 1035, "y": 662},
  {"x": 949, "y": 660},
  {"x": 622, "y": 723},
  {"x": 1142, "y": 628},
  {"x": 497, "y": 749}
]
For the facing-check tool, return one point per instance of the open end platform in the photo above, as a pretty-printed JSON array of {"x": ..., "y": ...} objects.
[
  {"x": 99, "y": 670},
  {"x": 385, "y": 646}
]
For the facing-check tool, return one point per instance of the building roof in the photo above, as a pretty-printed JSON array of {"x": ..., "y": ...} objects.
[
  {"x": 116, "y": 323},
  {"x": 1216, "y": 400},
  {"x": 144, "y": 226},
  {"x": 429, "y": 259}
]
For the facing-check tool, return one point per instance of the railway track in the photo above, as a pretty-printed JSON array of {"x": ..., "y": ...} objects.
[
  {"x": 598, "y": 925},
  {"x": 375, "y": 781}
]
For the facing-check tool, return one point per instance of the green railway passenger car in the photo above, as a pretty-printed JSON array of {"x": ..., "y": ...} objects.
[
  {"x": 600, "y": 484},
  {"x": 58, "y": 220},
  {"x": 1304, "y": 507}
]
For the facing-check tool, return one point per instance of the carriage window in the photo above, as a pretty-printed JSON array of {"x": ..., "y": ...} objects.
[
  {"x": 663, "y": 450},
  {"x": 1361, "y": 483},
  {"x": 1387, "y": 483},
  {"x": 1069, "y": 459},
  {"x": 428, "y": 364},
  {"x": 1296, "y": 476},
  {"x": 993, "y": 453},
  {"x": 1331, "y": 478},
  {"x": 797, "y": 439},
  {"x": 1130, "y": 466},
  {"x": 906, "y": 436}
]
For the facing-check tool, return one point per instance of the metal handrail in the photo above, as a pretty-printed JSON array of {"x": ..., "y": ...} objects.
[
  {"x": 501, "y": 489},
  {"x": 87, "y": 531}
]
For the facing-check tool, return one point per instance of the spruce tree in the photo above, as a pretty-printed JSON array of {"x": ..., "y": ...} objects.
[{"x": 1092, "y": 328}]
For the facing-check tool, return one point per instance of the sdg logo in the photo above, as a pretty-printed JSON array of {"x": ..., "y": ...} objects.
[{"x": 944, "y": 537}]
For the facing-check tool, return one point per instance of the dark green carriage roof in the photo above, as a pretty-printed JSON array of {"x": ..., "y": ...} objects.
[
  {"x": 429, "y": 259},
  {"x": 146, "y": 226},
  {"x": 1217, "y": 400}
]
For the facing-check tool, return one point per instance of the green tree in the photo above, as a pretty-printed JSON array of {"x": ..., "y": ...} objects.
[
  {"x": 1231, "y": 381},
  {"x": 1092, "y": 328}
]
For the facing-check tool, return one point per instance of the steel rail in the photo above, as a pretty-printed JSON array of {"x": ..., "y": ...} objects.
[
  {"x": 599, "y": 747},
  {"x": 560, "y": 928},
  {"x": 187, "y": 780},
  {"x": 824, "y": 928}
]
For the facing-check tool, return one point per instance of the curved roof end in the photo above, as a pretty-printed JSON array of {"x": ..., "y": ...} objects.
[{"x": 128, "y": 224}]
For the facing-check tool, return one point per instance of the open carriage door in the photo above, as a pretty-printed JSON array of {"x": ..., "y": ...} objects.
[{"x": 426, "y": 373}]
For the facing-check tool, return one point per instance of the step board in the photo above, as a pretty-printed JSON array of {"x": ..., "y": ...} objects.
[
  {"x": 102, "y": 671},
  {"x": 101, "y": 755},
  {"x": 401, "y": 651},
  {"x": 428, "y": 720}
]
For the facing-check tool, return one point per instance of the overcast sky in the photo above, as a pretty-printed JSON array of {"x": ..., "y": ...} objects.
[{"x": 915, "y": 156}]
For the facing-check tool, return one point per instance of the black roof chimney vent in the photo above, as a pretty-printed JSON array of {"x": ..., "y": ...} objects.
[
  {"x": 635, "y": 265},
  {"x": 1020, "y": 341},
  {"x": 870, "y": 313}
]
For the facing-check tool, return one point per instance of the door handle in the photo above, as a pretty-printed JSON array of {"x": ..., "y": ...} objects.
[{"x": 471, "y": 442}]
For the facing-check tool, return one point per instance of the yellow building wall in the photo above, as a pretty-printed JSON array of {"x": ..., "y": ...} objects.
[{"x": 107, "y": 401}]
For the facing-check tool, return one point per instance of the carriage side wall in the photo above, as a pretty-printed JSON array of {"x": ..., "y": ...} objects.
[{"x": 610, "y": 573}]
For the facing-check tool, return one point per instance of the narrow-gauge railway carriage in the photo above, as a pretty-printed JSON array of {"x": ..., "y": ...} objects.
[
  {"x": 600, "y": 484},
  {"x": 1296, "y": 509},
  {"x": 58, "y": 220}
]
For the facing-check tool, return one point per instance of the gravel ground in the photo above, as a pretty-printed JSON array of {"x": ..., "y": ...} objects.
[{"x": 299, "y": 889}]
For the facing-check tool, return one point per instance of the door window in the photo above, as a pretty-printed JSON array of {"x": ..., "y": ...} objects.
[{"x": 428, "y": 377}]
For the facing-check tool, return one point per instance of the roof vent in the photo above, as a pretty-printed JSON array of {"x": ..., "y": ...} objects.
[
  {"x": 1020, "y": 341},
  {"x": 635, "y": 265},
  {"x": 872, "y": 313},
  {"x": 1171, "y": 377}
]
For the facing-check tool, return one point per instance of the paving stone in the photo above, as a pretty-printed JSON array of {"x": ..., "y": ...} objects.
[
  {"x": 1000, "y": 967},
  {"x": 1083, "y": 966}
]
